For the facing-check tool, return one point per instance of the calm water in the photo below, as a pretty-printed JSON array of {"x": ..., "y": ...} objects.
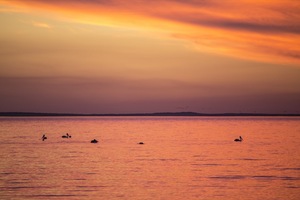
[{"x": 182, "y": 158}]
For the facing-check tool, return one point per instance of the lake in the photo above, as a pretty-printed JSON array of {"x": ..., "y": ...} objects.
[{"x": 181, "y": 158}]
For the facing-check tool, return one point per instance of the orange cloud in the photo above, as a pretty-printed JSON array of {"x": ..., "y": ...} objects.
[
  {"x": 257, "y": 30},
  {"x": 41, "y": 25}
]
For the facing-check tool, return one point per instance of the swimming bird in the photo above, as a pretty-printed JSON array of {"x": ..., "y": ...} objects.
[
  {"x": 44, "y": 137},
  {"x": 238, "y": 139},
  {"x": 66, "y": 136},
  {"x": 94, "y": 141},
  {"x": 141, "y": 143}
]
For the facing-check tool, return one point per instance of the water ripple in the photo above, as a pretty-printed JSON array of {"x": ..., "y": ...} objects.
[
  {"x": 228, "y": 177},
  {"x": 233, "y": 177},
  {"x": 292, "y": 169}
]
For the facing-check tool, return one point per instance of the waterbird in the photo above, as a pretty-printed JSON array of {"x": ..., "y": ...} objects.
[
  {"x": 94, "y": 141},
  {"x": 66, "y": 136},
  {"x": 44, "y": 137},
  {"x": 141, "y": 143},
  {"x": 238, "y": 139}
]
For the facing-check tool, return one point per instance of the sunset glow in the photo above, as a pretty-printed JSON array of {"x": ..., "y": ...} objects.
[
  {"x": 251, "y": 30},
  {"x": 141, "y": 56}
]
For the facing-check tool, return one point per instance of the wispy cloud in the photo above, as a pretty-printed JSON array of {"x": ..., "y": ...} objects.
[
  {"x": 41, "y": 25},
  {"x": 258, "y": 30},
  {"x": 9, "y": 9}
]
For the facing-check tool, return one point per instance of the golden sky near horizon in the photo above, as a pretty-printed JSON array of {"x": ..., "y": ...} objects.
[{"x": 98, "y": 56}]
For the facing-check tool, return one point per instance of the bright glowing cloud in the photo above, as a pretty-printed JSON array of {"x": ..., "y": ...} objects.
[
  {"x": 256, "y": 30},
  {"x": 41, "y": 25}
]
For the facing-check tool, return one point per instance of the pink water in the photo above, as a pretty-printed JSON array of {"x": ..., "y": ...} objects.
[{"x": 182, "y": 158}]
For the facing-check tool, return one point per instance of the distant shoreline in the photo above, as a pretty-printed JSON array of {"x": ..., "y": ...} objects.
[{"x": 158, "y": 114}]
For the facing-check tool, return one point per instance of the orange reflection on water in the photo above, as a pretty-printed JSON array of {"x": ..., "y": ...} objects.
[{"x": 182, "y": 158}]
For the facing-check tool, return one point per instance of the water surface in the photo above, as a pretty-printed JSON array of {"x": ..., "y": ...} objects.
[{"x": 182, "y": 158}]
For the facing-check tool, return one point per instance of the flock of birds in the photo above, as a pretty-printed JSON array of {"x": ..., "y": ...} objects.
[
  {"x": 240, "y": 139},
  {"x": 44, "y": 137}
]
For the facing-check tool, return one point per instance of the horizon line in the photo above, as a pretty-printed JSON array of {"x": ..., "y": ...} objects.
[{"x": 47, "y": 114}]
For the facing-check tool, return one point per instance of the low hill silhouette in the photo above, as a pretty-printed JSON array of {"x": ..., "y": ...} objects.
[{"x": 35, "y": 114}]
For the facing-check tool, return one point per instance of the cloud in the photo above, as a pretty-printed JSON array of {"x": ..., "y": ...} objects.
[
  {"x": 256, "y": 30},
  {"x": 41, "y": 25},
  {"x": 8, "y": 10},
  {"x": 115, "y": 95}
]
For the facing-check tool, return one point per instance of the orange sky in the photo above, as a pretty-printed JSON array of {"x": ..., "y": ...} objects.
[
  {"x": 262, "y": 30},
  {"x": 141, "y": 56}
]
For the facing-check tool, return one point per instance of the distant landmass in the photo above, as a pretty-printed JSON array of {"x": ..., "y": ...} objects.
[{"x": 35, "y": 114}]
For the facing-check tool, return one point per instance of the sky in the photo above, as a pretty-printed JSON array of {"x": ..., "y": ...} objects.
[{"x": 138, "y": 56}]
